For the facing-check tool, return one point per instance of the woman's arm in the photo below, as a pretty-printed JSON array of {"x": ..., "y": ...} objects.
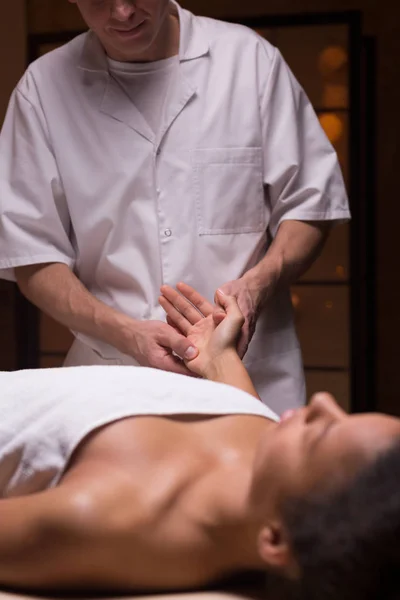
[
  {"x": 228, "y": 368},
  {"x": 26, "y": 531},
  {"x": 213, "y": 330},
  {"x": 46, "y": 540}
]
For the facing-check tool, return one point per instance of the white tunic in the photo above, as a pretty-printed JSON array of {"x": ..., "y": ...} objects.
[
  {"x": 46, "y": 413},
  {"x": 147, "y": 85},
  {"x": 85, "y": 181}
]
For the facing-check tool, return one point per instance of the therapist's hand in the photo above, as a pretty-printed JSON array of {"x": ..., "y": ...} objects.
[
  {"x": 153, "y": 344},
  {"x": 249, "y": 297},
  {"x": 214, "y": 330}
]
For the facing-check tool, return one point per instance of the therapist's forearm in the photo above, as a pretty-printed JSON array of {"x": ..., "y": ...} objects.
[
  {"x": 58, "y": 292},
  {"x": 295, "y": 247}
]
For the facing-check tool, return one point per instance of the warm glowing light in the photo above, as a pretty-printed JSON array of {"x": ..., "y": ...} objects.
[
  {"x": 332, "y": 60},
  {"x": 332, "y": 125},
  {"x": 295, "y": 300},
  {"x": 340, "y": 271}
]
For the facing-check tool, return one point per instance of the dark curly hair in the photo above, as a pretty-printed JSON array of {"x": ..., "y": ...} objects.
[{"x": 347, "y": 543}]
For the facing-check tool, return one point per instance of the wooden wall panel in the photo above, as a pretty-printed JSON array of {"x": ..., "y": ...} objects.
[
  {"x": 12, "y": 65},
  {"x": 53, "y": 15},
  {"x": 7, "y": 327}
]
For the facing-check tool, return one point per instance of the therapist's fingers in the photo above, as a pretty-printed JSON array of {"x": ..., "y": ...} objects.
[
  {"x": 231, "y": 307},
  {"x": 244, "y": 340},
  {"x": 182, "y": 304},
  {"x": 201, "y": 303},
  {"x": 176, "y": 342},
  {"x": 175, "y": 365},
  {"x": 172, "y": 324},
  {"x": 218, "y": 316},
  {"x": 178, "y": 321}
]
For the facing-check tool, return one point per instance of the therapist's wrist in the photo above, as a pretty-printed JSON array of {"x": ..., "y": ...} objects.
[
  {"x": 265, "y": 277},
  {"x": 118, "y": 330}
]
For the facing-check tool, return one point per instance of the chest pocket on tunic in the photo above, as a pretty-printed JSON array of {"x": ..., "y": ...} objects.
[{"x": 228, "y": 188}]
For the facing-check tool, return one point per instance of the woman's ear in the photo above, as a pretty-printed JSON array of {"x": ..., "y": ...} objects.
[{"x": 275, "y": 550}]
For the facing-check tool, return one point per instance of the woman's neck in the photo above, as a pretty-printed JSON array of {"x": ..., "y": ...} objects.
[{"x": 233, "y": 522}]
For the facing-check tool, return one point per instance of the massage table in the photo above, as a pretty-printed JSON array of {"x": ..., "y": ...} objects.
[{"x": 239, "y": 594}]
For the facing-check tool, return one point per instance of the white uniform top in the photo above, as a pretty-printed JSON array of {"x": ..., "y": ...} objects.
[
  {"x": 84, "y": 181},
  {"x": 147, "y": 85},
  {"x": 46, "y": 413}
]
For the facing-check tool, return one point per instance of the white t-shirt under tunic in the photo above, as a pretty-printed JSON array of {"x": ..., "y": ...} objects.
[
  {"x": 147, "y": 85},
  {"x": 46, "y": 413}
]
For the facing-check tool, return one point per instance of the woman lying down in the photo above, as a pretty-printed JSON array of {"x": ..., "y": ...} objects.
[{"x": 128, "y": 478}]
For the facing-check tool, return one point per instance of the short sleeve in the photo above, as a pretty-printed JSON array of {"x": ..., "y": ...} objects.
[
  {"x": 302, "y": 175},
  {"x": 34, "y": 217}
]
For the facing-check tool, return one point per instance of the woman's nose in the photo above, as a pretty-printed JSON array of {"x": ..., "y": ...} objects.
[
  {"x": 122, "y": 9},
  {"x": 324, "y": 405}
]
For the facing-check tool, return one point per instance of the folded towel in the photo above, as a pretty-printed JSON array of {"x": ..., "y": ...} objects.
[{"x": 46, "y": 413}]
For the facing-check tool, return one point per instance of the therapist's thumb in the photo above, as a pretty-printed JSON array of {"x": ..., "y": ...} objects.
[
  {"x": 190, "y": 353},
  {"x": 184, "y": 348}
]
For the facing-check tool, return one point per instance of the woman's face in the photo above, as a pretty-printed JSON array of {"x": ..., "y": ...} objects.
[{"x": 316, "y": 448}]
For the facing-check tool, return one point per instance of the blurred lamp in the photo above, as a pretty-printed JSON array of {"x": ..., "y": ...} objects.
[
  {"x": 332, "y": 125},
  {"x": 332, "y": 60},
  {"x": 340, "y": 272},
  {"x": 295, "y": 300}
]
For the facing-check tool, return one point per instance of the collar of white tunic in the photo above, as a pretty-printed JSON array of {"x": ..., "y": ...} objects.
[{"x": 193, "y": 42}]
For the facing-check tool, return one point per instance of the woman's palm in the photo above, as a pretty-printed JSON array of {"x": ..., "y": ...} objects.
[
  {"x": 212, "y": 335},
  {"x": 211, "y": 329}
]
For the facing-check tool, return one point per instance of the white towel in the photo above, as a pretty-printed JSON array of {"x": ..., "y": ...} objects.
[{"x": 46, "y": 413}]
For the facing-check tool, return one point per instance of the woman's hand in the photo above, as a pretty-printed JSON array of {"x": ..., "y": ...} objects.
[{"x": 213, "y": 330}]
